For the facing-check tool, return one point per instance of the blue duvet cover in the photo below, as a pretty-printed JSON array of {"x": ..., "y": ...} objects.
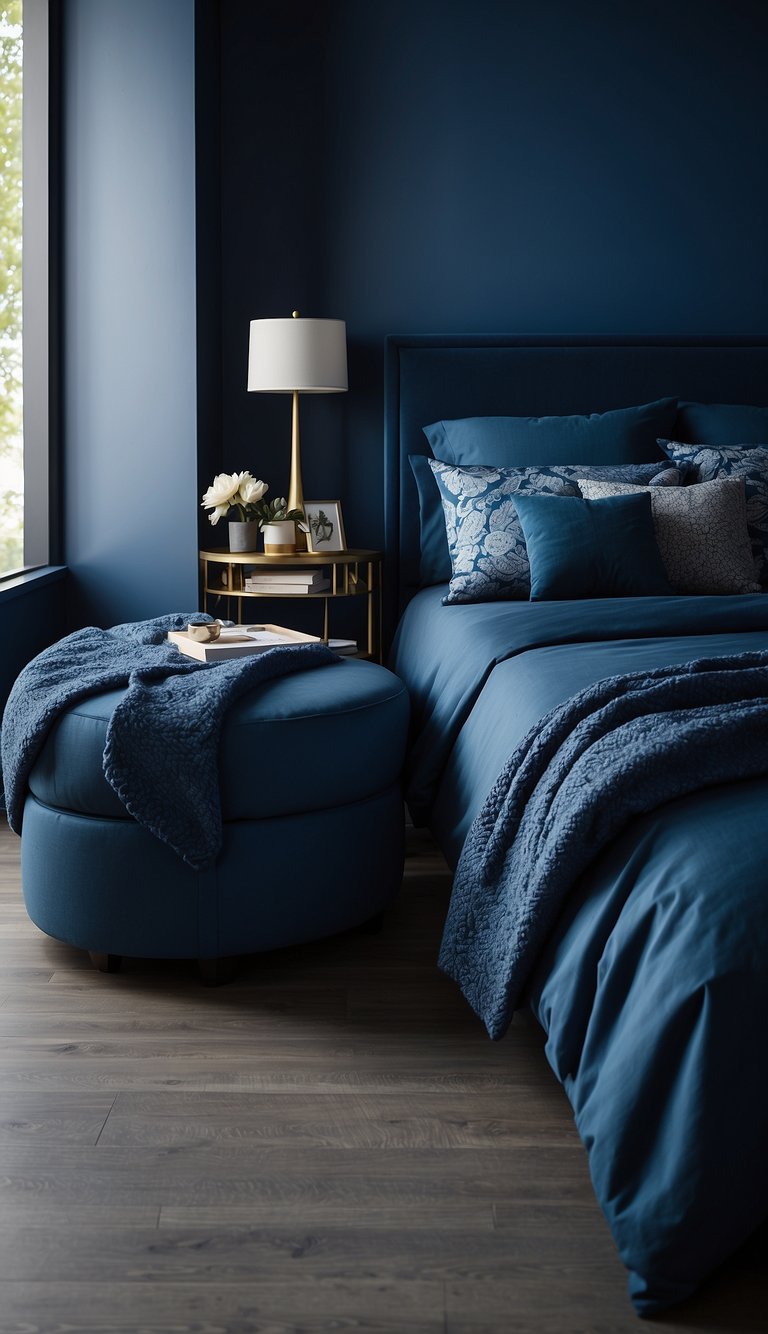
[{"x": 652, "y": 986}]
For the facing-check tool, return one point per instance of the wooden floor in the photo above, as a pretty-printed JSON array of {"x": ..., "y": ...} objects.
[{"x": 331, "y": 1143}]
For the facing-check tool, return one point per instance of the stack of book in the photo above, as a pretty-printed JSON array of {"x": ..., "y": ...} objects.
[
  {"x": 282, "y": 582},
  {"x": 239, "y": 641}
]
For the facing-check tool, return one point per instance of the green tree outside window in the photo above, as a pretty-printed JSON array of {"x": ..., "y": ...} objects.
[{"x": 11, "y": 421}]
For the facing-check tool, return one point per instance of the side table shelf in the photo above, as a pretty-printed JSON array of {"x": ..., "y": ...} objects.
[{"x": 351, "y": 573}]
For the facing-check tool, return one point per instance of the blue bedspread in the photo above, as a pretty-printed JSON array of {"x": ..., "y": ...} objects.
[
  {"x": 650, "y": 980},
  {"x": 618, "y": 749},
  {"x": 446, "y": 655},
  {"x": 161, "y": 756},
  {"x": 653, "y": 992}
]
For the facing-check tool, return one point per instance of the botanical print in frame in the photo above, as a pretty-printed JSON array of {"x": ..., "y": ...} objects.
[{"x": 325, "y": 524}]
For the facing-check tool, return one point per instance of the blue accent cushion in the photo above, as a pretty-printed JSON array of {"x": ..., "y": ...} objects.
[
  {"x": 701, "y": 531},
  {"x": 482, "y": 533},
  {"x": 626, "y": 435},
  {"x": 591, "y": 548},
  {"x": 708, "y": 462},
  {"x": 722, "y": 423}
]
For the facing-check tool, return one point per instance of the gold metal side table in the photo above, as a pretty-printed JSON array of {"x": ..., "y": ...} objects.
[{"x": 352, "y": 574}]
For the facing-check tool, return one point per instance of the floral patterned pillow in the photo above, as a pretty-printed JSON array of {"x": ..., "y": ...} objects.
[
  {"x": 485, "y": 538},
  {"x": 709, "y": 462}
]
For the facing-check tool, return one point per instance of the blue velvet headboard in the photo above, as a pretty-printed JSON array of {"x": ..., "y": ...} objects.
[{"x": 487, "y": 375}]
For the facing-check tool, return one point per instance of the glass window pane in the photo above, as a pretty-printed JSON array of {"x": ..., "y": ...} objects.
[{"x": 11, "y": 430}]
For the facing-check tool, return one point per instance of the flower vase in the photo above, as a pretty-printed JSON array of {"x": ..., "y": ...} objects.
[
  {"x": 280, "y": 538},
  {"x": 243, "y": 536}
]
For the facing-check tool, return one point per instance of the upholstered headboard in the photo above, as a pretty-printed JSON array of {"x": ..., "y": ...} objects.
[{"x": 428, "y": 378}]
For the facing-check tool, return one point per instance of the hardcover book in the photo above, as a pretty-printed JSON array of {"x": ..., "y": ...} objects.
[
  {"x": 237, "y": 641},
  {"x": 305, "y": 578},
  {"x": 279, "y": 587}
]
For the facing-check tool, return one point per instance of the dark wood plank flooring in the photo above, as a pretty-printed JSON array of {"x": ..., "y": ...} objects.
[{"x": 331, "y": 1143}]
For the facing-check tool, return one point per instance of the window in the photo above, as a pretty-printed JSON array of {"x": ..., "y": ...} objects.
[
  {"x": 11, "y": 405},
  {"x": 26, "y": 270}
]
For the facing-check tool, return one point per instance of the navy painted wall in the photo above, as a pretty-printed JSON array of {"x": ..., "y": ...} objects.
[
  {"x": 424, "y": 165},
  {"x": 481, "y": 165},
  {"x": 129, "y": 383},
  {"x": 272, "y": 178}
]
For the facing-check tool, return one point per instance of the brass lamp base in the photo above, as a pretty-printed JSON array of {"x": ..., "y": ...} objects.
[{"x": 295, "y": 488}]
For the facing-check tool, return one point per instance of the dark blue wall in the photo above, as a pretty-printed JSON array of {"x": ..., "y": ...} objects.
[
  {"x": 129, "y": 338},
  {"x": 272, "y": 179},
  {"x": 482, "y": 165},
  {"x": 593, "y": 166}
]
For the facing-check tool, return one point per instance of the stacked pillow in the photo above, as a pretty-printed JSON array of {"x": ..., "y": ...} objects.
[
  {"x": 731, "y": 440},
  {"x": 701, "y": 532},
  {"x": 624, "y": 435},
  {"x": 485, "y": 538},
  {"x": 721, "y": 423},
  {"x": 592, "y": 548},
  {"x": 747, "y": 462},
  {"x": 502, "y": 498},
  {"x": 621, "y": 437}
]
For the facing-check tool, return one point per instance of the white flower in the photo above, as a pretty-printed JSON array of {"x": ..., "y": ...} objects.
[
  {"x": 252, "y": 490},
  {"x": 224, "y": 487},
  {"x": 219, "y": 513}
]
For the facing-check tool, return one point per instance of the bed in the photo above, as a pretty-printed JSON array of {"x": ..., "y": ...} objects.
[{"x": 650, "y": 985}]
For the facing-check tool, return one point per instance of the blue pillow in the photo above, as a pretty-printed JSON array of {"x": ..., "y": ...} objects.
[
  {"x": 721, "y": 424},
  {"x": 626, "y": 435},
  {"x": 437, "y": 504},
  {"x": 435, "y": 566},
  {"x": 591, "y": 548}
]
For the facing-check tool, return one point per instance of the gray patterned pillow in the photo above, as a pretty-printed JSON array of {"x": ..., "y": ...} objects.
[
  {"x": 708, "y": 462},
  {"x": 485, "y": 537},
  {"x": 701, "y": 531}
]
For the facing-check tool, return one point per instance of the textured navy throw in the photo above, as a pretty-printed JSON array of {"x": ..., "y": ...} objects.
[
  {"x": 162, "y": 744},
  {"x": 615, "y": 750}
]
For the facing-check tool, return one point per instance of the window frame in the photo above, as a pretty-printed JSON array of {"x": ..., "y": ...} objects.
[{"x": 41, "y": 190}]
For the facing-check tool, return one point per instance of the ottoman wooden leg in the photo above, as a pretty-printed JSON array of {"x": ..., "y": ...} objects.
[
  {"x": 215, "y": 972},
  {"x": 106, "y": 963}
]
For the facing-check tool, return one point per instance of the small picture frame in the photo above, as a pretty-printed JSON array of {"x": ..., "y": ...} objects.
[{"x": 326, "y": 526}]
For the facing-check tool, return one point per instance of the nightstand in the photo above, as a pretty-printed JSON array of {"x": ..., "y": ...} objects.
[{"x": 351, "y": 574}]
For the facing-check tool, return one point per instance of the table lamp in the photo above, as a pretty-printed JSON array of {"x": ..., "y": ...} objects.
[{"x": 297, "y": 356}]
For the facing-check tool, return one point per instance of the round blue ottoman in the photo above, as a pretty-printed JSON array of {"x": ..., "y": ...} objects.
[{"x": 313, "y": 827}]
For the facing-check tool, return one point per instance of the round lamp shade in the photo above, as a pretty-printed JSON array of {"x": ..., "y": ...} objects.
[{"x": 286, "y": 355}]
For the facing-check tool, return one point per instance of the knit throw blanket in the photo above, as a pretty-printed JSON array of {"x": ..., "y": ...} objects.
[
  {"x": 618, "y": 749},
  {"x": 161, "y": 753}
]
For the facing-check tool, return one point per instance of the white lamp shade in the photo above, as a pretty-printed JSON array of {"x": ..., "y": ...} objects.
[{"x": 289, "y": 354}]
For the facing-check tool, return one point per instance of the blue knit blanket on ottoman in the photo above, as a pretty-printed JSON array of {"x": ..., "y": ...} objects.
[
  {"x": 161, "y": 754},
  {"x": 617, "y": 749}
]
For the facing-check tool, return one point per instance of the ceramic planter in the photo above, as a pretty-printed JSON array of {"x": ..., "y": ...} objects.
[
  {"x": 280, "y": 538},
  {"x": 243, "y": 536}
]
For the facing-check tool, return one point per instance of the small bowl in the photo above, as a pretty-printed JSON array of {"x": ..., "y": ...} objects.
[{"x": 205, "y": 632}]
